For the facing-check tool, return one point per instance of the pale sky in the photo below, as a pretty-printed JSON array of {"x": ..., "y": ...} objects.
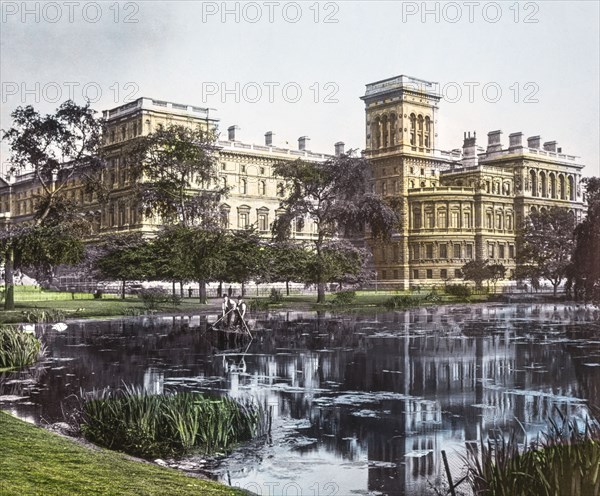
[{"x": 268, "y": 54}]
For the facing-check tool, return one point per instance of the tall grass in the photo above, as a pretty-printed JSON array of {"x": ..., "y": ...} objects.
[
  {"x": 163, "y": 425},
  {"x": 565, "y": 460},
  {"x": 18, "y": 348}
]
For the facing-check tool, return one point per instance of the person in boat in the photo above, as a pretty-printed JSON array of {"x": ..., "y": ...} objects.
[
  {"x": 227, "y": 309},
  {"x": 241, "y": 312}
]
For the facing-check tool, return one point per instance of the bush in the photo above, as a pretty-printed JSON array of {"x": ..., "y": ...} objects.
[
  {"x": 344, "y": 298},
  {"x": 168, "y": 424},
  {"x": 154, "y": 298},
  {"x": 18, "y": 348},
  {"x": 458, "y": 290},
  {"x": 275, "y": 296},
  {"x": 258, "y": 304}
]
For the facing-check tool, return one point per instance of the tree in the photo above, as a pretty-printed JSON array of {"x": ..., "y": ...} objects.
[
  {"x": 175, "y": 171},
  {"x": 190, "y": 253},
  {"x": 125, "y": 257},
  {"x": 496, "y": 272},
  {"x": 584, "y": 271},
  {"x": 545, "y": 244},
  {"x": 286, "y": 261},
  {"x": 476, "y": 271},
  {"x": 339, "y": 262},
  {"x": 336, "y": 196},
  {"x": 54, "y": 148},
  {"x": 244, "y": 255}
]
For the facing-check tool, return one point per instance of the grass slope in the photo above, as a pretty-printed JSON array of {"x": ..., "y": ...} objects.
[{"x": 36, "y": 462}]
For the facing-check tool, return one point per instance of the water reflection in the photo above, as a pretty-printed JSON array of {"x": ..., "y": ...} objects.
[{"x": 360, "y": 404}]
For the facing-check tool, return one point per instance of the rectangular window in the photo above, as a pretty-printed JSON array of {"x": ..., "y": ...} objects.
[
  {"x": 491, "y": 250},
  {"x": 454, "y": 219},
  {"x": 457, "y": 273},
  {"x": 500, "y": 251},
  {"x": 415, "y": 274},
  {"x": 444, "y": 274},
  {"x": 511, "y": 251},
  {"x": 489, "y": 219},
  {"x": 443, "y": 251},
  {"x": 442, "y": 220},
  {"x": 384, "y": 274},
  {"x": 456, "y": 249},
  {"x": 244, "y": 221},
  {"x": 429, "y": 250},
  {"x": 469, "y": 251},
  {"x": 395, "y": 274},
  {"x": 466, "y": 220},
  {"x": 262, "y": 222},
  {"x": 416, "y": 253},
  {"x": 430, "y": 220},
  {"x": 429, "y": 274}
]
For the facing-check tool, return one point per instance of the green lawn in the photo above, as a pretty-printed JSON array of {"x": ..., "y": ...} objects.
[{"x": 34, "y": 461}]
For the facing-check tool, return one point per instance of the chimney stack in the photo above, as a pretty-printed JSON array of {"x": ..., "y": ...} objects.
[
  {"x": 470, "y": 150},
  {"x": 231, "y": 132},
  {"x": 515, "y": 140},
  {"x": 534, "y": 142},
  {"x": 550, "y": 146},
  {"x": 269, "y": 138},
  {"x": 494, "y": 143},
  {"x": 339, "y": 148},
  {"x": 303, "y": 143}
]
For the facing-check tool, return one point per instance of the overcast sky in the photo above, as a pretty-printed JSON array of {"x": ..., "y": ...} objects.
[{"x": 299, "y": 68}]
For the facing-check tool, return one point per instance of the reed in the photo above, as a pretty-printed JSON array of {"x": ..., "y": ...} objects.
[
  {"x": 151, "y": 426},
  {"x": 565, "y": 459},
  {"x": 18, "y": 348}
]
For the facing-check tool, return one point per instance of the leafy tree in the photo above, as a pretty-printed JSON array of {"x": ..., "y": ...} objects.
[
  {"x": 476, "y": 271},
  {"x": 286, "y": 261},
  {"x": 125, "y": 257},
  {"x": 335, "y": 195},
  {"x": 496, "y": 272},
  {"x": 339, "y": 262},
  {"x": 584, "y": 271},
  {"x": 190, "y": 253},
  {"x": 244, "y": 255},
  {"x": 545, "y": 244},
  {"x": 54, "y": 148},
  {"x": 176, "y": 174}
]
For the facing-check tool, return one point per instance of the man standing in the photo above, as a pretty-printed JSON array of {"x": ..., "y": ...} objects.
[{"x": 241, "y": 312}]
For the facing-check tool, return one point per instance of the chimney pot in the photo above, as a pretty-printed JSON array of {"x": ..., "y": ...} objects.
[
  {"x": 269, "y": 138},
  {"x": 231, "y": 132},
  {"x": 303, "y": 143},
  {"x": 339, "y": 148}
]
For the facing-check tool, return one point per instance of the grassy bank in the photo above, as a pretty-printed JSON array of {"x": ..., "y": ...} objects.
[{"x": 36, "y": 462}]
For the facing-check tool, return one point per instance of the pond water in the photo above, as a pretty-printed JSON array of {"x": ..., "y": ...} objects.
[{"x": 361, "y": 404}]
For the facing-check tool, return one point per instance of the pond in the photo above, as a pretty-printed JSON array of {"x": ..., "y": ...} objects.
[{"x": 361, "y": 404}]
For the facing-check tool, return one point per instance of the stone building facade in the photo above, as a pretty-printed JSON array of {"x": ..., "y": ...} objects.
[
  {"x": 247, "y": 169},
  {"x": 460, "y": 205}
]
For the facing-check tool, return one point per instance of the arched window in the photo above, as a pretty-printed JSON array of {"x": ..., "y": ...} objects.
[
  {"x": 384, "y": 188},
  {"x": 534, "y": 183},
  {"x": 571, "y": 189},
  {"x": 427, "y": 132},
  {"x": 243, "y": 187},
  {"x": 552, "y": 186},
  {"x": 561, "y": 187},
  {"x": 420, "y": 131},
  {"x": 543, "y": 185},
  {"x": 413, "y": 130},
  {"x": 262, "y": 187}
]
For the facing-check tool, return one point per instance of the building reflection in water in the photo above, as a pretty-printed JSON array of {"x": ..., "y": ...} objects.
[{"x": 369, "y": 400}]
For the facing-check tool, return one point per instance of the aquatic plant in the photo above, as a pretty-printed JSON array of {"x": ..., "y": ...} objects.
[
  {"x": 150, "y": 426},
  {"x": 43, "y": 315},
  {"x": 563, "y": 460},
  {"x": 18, "y": 348}
]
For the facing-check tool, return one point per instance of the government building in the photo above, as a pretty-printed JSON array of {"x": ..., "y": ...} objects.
[{"x": 456, "y": 205}]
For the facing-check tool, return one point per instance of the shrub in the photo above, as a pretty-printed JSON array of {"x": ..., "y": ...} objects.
[
  {"x": 458, "y": 290},
  {"x": 169, "y": 424},
  {"x": 258, "y": 304},
  {"x": 344, "y": 298},
  {"x": 18, "y": 348},
  {"x": 154, "y": 298},
  {"x": 275, "y": 296}
]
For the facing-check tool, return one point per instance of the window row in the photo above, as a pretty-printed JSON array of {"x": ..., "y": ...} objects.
[
  {"x": 551, "y": 185},
  {"x": 428, "y": 251},
  {"x": 422, "y": 218}
]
